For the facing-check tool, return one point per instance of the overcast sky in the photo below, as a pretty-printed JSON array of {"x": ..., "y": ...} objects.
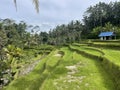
[{"x": 52, "y": 12}]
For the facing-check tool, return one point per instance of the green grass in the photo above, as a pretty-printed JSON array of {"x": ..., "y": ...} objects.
[
  {"x": 113, "y": 56},
  {"x": 107, "y": 44},
  {"x": 87, "y": 49},
  {"x": 53, "y": 60},
  {"x": 25, "y": 82},
  {"x": 88, "y": 75},
  {"x": 71, "y": 71},
  {"x": 110, "y": 61},
  {"x": 35, "y": 79},
  {"x": 29, "y": 56}
]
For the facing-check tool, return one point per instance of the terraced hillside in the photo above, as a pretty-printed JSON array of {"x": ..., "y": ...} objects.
[
  {"x": 78, "y": 67},
  {"x": 109, "y": 58},
  {"x": 115, "y": 44}
]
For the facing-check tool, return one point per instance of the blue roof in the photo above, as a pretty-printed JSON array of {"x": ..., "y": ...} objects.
[{"x": 106, "y": 34}]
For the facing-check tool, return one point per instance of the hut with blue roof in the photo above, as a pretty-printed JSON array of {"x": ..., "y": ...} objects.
[{"x": 107, "y": 35}]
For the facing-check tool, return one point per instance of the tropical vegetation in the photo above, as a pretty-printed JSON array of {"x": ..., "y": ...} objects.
[{"x": 68, "y": 57}]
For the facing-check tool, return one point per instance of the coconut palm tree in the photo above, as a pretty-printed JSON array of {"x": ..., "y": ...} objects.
[{"x": 35, "y": 2}]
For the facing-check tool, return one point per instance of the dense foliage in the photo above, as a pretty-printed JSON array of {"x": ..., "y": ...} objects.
[
  {"x": 97, "y": 18},
  {"x": 66, "y": 33},
  {"x": 99, "y": 15},
  {"x": 18, "y": 47}
]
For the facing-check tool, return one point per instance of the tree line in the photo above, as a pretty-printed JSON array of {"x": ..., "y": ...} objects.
[
  {"x": 98, "y": 18},
  {"x": 101, "y": 16}
]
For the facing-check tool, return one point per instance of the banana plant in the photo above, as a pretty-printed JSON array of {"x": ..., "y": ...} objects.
[{"x": 12, "y": 52}]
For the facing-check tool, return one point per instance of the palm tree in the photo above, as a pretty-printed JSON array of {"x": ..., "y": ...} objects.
[{"x": 36, "y": 3}]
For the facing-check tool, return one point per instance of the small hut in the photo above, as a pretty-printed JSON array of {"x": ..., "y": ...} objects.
[{"x": 107, "y": 35}]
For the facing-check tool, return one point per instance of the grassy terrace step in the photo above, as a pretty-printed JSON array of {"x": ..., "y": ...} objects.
[
  {"x": 110, "y": 61},
  {"x": 69, "y": 72},
  {"x": 76, "y": 72},
  {"x": 88, "y": 50},
  {"x": 107, "y": 44},
  {"x": 110, "y": 54},
  {"x": 34, "y": 80},
  {"x": 107, "y": 41},
  {"x": 87, "y": 46}
]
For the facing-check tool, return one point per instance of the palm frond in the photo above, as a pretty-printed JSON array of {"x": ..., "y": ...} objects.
[
  {"x": 15, "y": 2},
  {"x": 36, "y": 3}
]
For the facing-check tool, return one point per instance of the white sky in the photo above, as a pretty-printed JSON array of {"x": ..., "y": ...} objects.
[{"x": 52, "y": 12}]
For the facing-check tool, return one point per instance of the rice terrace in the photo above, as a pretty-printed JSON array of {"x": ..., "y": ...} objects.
[{"x": 78, "y": 55}]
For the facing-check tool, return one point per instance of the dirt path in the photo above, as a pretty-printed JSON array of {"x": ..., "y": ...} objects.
[{"x": 28, "y": 68}]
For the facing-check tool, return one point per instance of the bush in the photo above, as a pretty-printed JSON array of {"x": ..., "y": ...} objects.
[{"x": 35, "y": 54}]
